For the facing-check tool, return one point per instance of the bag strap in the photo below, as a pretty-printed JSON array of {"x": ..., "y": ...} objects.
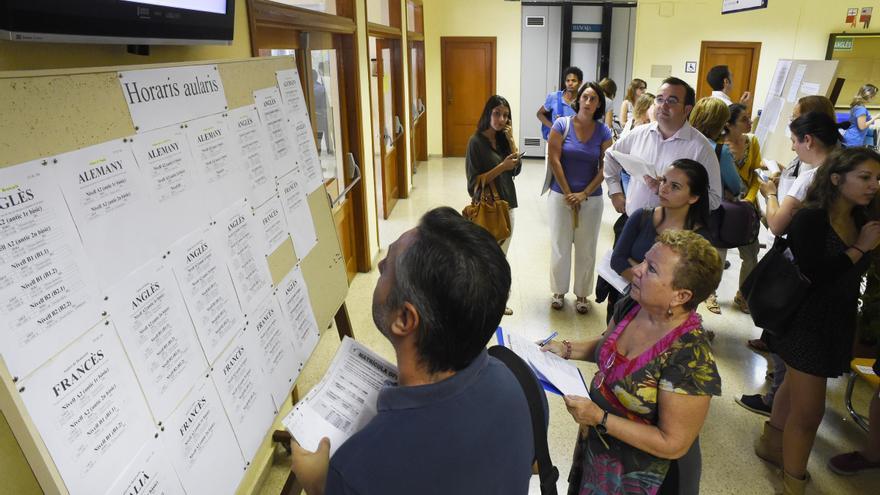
[
  {"x": 547, "y": 472},
  {"x": 567, "y": 128}
]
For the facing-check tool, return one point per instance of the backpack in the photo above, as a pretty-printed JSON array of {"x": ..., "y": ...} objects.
[{"x": 547, "y": 472}]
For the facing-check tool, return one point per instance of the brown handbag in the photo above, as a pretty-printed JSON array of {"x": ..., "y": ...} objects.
[{"x": 489, "y": 211}]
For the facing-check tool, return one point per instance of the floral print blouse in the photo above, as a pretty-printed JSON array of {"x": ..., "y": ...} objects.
[{"x": 681, "y": 363}]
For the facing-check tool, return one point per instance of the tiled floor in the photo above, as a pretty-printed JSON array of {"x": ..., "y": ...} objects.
[{"x": 729, "y": 465}]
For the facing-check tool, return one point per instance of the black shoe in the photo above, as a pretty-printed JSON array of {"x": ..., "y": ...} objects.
[{"x": 755, "y": 404}]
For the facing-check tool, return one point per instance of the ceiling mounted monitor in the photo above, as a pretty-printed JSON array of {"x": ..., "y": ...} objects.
[{"x": 124, "y": 22}]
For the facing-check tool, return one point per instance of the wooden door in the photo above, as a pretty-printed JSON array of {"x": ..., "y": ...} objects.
[
  {"x": 390, "y": 128},
  {"x": 468, "y": 76},
  {"x": 418, "y": 127},
  {"x": 740, "y": 57}
]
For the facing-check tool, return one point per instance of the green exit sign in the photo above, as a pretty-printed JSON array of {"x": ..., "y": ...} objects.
[{"x": 843, "y": 44}]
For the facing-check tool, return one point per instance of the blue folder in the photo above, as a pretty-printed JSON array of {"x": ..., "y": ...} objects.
[{"x": 499, "y": 334}]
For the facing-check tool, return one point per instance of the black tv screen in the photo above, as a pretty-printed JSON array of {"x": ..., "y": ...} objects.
[{"x": 148, "y": 22}]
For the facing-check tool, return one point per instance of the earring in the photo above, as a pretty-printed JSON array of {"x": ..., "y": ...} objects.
[{"x": 669, "y": 311}]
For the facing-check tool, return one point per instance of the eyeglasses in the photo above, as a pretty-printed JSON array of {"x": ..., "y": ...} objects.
[{"x": 671, "y": 101}]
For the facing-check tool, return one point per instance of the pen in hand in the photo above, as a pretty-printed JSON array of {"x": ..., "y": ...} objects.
[{"x": 548, "y": 339}]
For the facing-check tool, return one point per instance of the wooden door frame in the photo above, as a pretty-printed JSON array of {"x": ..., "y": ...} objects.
[
  {"x": 445, "y": 41},
  {"x": 274, "y": 25},
  {"x": 754, "y": 45}
]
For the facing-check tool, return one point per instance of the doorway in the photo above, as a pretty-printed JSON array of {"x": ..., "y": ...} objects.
[
  {"x": 388, "y": 143},
  {"x": 467, "y": 65},
  {"x": 742, "y": 59}
]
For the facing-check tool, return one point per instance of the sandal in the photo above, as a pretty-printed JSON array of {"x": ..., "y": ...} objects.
[
  {"x": 712, "y": 304},
  {"x": 741, "y": 302},
  {"x": 557, "y": 301},
  {"x": 582, "y": 305}
]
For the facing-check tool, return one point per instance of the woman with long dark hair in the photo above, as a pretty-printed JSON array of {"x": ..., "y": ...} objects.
[
  {"x": 831, "y": 239},
  {"x": 492, "y": 155},
  {"x": 684, "y": 205}
]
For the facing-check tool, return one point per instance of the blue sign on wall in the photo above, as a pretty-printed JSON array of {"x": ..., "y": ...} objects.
[{"x": 586, "y": 28}]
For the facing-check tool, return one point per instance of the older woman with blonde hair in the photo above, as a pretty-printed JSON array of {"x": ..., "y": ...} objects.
[
  {"x": 656, "y": 376},
  {"x": 709, "y": 116}
]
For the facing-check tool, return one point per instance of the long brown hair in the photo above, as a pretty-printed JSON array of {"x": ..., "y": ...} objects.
[
  {"x": 823, "y": 193},
  {"x": 865, "y": 93},
  {"x": 634, "y": 85}
]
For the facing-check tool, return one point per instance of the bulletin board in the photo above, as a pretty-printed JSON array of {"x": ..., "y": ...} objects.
[
  {"x": 792, "y": 79},
  {"x": 48, "y": 113}
]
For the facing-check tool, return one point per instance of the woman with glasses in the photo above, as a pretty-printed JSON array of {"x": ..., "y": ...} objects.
[{"x": 656, "y": 376}]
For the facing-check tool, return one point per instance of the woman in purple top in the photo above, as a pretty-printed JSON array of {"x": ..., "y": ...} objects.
[{"x": 576, "y": 148}]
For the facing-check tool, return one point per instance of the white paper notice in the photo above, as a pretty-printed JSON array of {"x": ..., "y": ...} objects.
[
  {"x": 215, "y": 152},
  {"x": 239, "y": 381},
  {"x": 274, "y": 121},
  {"x": 634, "y": 165},
  {"x": 270, "y": 217},
  {"x": 48, "y": 294},
  {"x": 150, "y": 317},
  {"x": 253, "y": 148},
  {"x": 89, "y": 411},
  {"x": 293, "y": 297},
  {"x": 150, "y": 473},
  {"x": 309, "y": 164},
  {"x": 345, "y": 399},
  {"x": 769, "y": 118},
  {"x": 237, "y": 231},
  {"x": 299, "y": 215},
  {"x": 169, "y": 171},
  {"x": 279, "y": 361},
  {"x": 162, "y": 97},
  {"x": 201, "y": 445},
  {"x": 110, "y": 206},
  {"x": 796, "y": 83},
  {"x": 606, "y": 272},
  {"x": 292, "y": 93},
  {"x": 809, "y": 89},
  {"x": 200, "y": 270},
  {"x": 777, "y": 84}
]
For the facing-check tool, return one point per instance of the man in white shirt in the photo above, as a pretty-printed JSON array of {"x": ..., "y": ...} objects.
[
  {"x": 721, "y": 81},
  {"x": 660, "y": 143}
]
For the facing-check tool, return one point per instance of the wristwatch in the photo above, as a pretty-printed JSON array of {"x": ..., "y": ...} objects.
[{"x": 601, "y": 428}]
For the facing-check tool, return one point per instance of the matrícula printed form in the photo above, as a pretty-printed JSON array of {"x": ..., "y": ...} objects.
[
  {"x": 344, "y": 401},
  {"x": 89, "y": 410},
  {"x": 49, "y": 294}
]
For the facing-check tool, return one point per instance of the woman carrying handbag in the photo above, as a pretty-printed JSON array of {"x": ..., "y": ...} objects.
[{"x": 492, "y": 157}]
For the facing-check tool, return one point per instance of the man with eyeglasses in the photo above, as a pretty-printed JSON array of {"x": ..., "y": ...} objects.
[{"x": 660, "y": 143}]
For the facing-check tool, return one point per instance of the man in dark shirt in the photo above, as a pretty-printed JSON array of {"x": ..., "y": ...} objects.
[{"x": 458, "y": 422}]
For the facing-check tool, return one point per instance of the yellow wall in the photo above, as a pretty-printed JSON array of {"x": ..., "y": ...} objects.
[
  {"x": 24, "y": 56},
  {"x": 670, "y": 32},
  {"x": 498, "y": 18}
]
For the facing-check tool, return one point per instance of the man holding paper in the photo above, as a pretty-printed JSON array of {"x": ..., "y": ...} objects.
[
  {"x": 646, "y": 151},
  {"x": 458, "y": 422}
]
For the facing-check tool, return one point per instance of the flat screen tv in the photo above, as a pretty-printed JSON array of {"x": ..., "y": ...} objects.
[{"x": 146, "y": 22}]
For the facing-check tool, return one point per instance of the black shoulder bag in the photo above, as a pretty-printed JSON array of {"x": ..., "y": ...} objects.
[
  {"x": 775, "y": 289},
  {"x": 547, "y": 472}
]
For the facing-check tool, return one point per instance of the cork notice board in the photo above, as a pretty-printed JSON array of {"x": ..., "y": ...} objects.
[{"x": 48, "y": 113}]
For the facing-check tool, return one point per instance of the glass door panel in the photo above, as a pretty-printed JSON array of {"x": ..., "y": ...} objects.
[{"x": 328, "y": 120}]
